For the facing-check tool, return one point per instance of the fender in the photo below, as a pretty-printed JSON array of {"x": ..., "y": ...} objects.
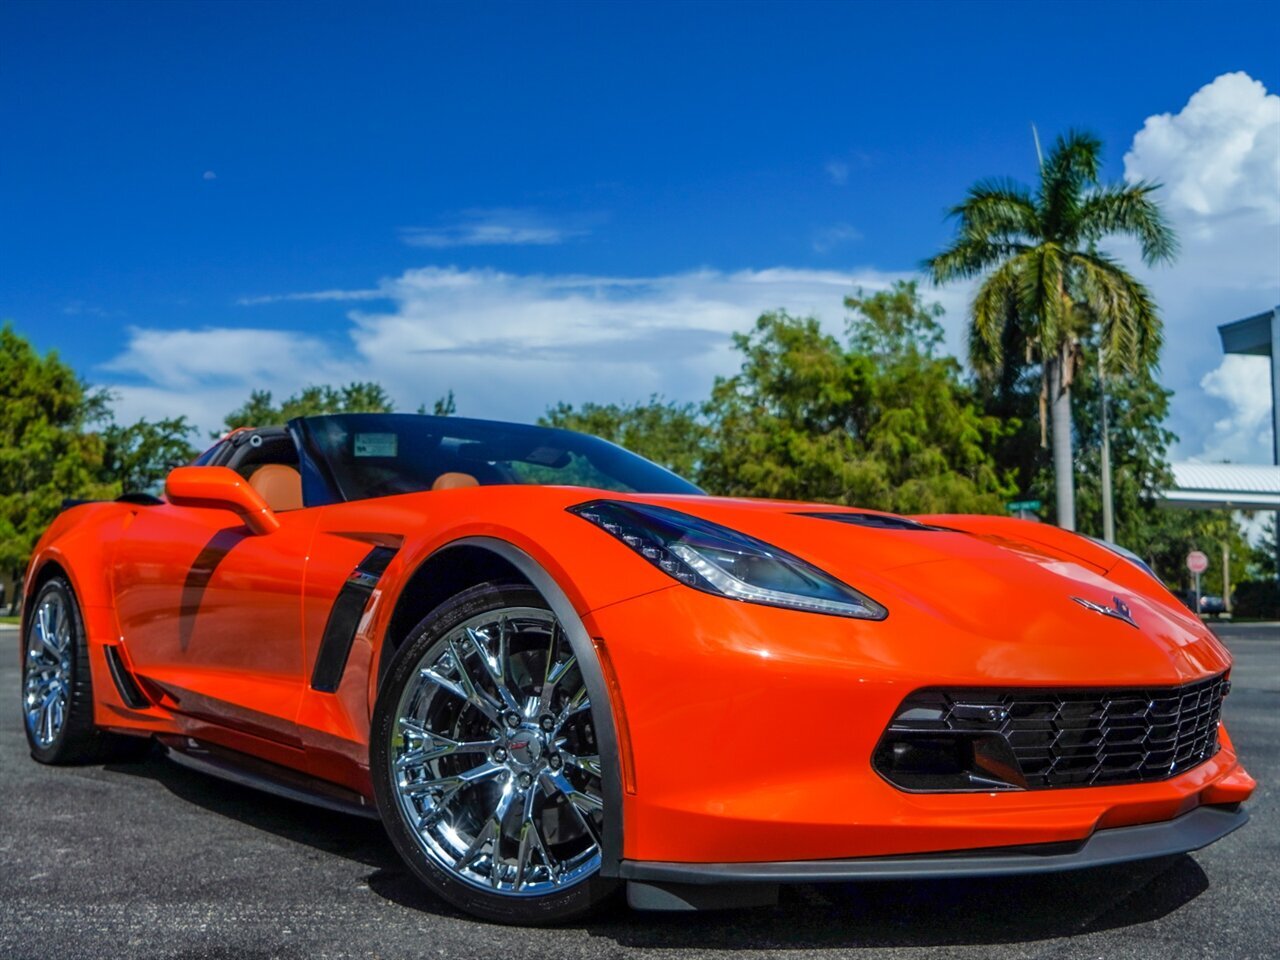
[{"x": 585, "y": 649}]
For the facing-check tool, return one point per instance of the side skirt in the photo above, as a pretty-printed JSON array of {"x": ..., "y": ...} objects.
[{"x": 269, "y": 777}]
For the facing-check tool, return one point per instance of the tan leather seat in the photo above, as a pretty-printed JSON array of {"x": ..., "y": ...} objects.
[
  {"x": 279, "y": 485},
  {"x": 453, "y": 481}
]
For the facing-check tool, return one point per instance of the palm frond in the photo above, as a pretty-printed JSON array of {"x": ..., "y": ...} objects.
[
  {"x": 1129, "y": 209},
  {"x": 997, "y": 209},
  {"x": 994, "y": 307},
  {"x": 1041, "y": 285},
  {"x": 967, "y": 258},
  {"x": 1072, "y": 165},
  {"x": 1129, "y": 322}
]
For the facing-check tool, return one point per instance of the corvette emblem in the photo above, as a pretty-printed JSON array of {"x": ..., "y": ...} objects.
[{"x": 1118, "y": 610}]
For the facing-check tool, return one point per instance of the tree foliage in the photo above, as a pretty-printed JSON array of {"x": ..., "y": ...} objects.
[
  {"x": 877, "y": 420},
  {"x": 260, "y": 409},
  {"x": 1137, "y": 408},
  {"x": 1262, "y": 558},
  {"x": 47, "y": 451},
  {"x": 670, "y": 434},
  {"x": 138, "y": 457}
]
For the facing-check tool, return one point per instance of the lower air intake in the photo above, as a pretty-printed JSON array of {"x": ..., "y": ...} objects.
[{"x": 972, "y": 739}]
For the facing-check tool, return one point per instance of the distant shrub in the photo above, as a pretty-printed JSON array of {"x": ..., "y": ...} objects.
[{"x": 1257, "y": 600}]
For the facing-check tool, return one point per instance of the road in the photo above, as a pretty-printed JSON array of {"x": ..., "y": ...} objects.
[{"x": 149, "y": 860}]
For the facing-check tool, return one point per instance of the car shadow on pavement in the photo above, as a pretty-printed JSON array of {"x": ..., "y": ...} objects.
[
  {"x": 928, "y": 912},
  {"x": 879, "y": 914}
]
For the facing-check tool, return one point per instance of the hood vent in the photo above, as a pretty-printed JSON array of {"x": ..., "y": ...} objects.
[{"x": 876, "y": 521}]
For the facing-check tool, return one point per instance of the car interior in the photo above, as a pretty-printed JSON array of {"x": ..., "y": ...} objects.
[{"x": 268, "y": 459}]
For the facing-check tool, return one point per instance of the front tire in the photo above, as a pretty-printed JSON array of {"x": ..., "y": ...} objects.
[{"x": 485, "y": 761}]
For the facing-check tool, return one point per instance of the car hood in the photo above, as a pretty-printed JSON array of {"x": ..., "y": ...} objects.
[{"x": 1003, "y": 591}]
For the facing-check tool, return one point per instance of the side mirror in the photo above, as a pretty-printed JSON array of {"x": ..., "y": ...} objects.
[{"x": 220, "y": 488}]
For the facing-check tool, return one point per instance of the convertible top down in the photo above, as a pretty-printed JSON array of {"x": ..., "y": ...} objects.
[{"x": 552, "y": 668}]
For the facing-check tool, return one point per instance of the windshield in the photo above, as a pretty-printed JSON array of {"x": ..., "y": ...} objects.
[{"x": 356, "y": 456}]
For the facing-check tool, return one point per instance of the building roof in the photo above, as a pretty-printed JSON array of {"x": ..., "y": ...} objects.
[
  {"x": 1238, "y": 486},
  {"x": 1250, "y": 335}
]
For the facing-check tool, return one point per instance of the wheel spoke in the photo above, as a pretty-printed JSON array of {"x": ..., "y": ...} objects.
[
  {"x": 441, "y": 747},
  {"x": 465, "y": 690},
  {"x": 47, "y": 642},
  {"x": 555, "y": 672},
  {"x": 495, "y": 666},
  {"x": 46, "y": 719},
  {"x": 582, "y": 804},
  {"x": 528, "y": 835},
  {"x": 587, "y": 763},
  {"x": 489, "y": 835},
  {"x": 577, "y": 704},
  {"x": 452, "y": 784}
]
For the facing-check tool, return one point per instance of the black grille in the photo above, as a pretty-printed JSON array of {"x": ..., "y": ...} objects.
[{"x": 1065, "y": 738}]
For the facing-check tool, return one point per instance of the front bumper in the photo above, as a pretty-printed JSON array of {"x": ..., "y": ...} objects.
[
  {"x": 1146, "y": 841},
  {"x": 749, "y": 731}
]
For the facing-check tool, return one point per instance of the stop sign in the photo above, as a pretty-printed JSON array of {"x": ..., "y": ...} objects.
[{"x": 1197, "y": 562}]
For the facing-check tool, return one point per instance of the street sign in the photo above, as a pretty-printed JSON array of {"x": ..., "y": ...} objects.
[
  {"x": 1197, "y": 562},
  {"x": 1017, "y": 506}
]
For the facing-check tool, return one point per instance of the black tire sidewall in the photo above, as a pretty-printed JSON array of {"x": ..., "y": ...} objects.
[{"x": 552, "y": 908}]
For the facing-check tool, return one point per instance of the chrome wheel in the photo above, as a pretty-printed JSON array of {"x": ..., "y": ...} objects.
[
  {"x": 47, "y": 678},
  {"x": 494, "y": 759}
]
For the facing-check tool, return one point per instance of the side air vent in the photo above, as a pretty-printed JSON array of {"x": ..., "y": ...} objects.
[
  {"x": 877, "y": 521},
  {"x": 344, "y": 619},
  {"x": 126, "y": 686}
]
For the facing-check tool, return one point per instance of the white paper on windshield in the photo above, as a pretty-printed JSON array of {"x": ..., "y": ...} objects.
[{"x": 375, "y": 445}]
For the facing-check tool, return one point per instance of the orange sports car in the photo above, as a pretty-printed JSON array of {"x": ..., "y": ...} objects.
[{"x": 552, "y": 668}]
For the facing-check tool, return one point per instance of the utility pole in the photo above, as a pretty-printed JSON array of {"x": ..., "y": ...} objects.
[
  {"x": 1226, "y": 574},
  {"x": 1108, "y": 509}
]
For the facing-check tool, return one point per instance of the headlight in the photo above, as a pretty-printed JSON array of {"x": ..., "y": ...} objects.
[{"x": 715, "y": 559}]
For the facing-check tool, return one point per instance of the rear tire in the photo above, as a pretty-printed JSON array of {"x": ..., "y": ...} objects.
[
  {"x": 485, "y": 764},
  {"x": 57, "y": 694}
]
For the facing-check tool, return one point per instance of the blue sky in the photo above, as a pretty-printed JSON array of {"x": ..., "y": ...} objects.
[{"x": 532, "y": 202}]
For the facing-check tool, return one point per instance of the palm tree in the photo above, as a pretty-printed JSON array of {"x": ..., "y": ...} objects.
[{"x": 1045, "y": 285}]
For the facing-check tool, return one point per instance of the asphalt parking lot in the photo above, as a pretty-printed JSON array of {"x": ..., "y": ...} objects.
[{"x": 150, "y": 860}]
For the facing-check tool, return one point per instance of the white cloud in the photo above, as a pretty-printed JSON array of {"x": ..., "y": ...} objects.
[
  {"x": 838, "y": 172},
  {"x": 494, "y": 228},
  {"x": 1220, "y": 155},
  {"x": 1219, "y": 161},
  {"x": 508, "y": 345},
  {"x": 833, "y": 236},
  {"x": 1244, "y": 383},
  {"x": 316, "y": 296},
  {"x": 209, "y": 175}
]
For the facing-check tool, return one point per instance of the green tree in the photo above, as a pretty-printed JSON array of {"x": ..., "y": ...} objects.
[
  {"x": 1137, "y": 409},
  {"x": 878, "y": 421},
  {"x": 670, "y": 434},
  {"x": 1262, "y": 556},
  {"x": 1137, "y": 406},
  {"x": 139, "y": 456},
  {"x": 445, "y": 406},
  {"x": 48, "y": 451},
  {"x": 1045, "y": 285},
  {"x": 359, "y": 397}
]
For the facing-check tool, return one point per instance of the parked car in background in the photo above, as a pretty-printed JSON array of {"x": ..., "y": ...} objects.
[{"x": 1210, "y": 604}]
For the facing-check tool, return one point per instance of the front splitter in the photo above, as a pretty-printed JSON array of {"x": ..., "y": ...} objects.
[{"x": 655, "y": 885}]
